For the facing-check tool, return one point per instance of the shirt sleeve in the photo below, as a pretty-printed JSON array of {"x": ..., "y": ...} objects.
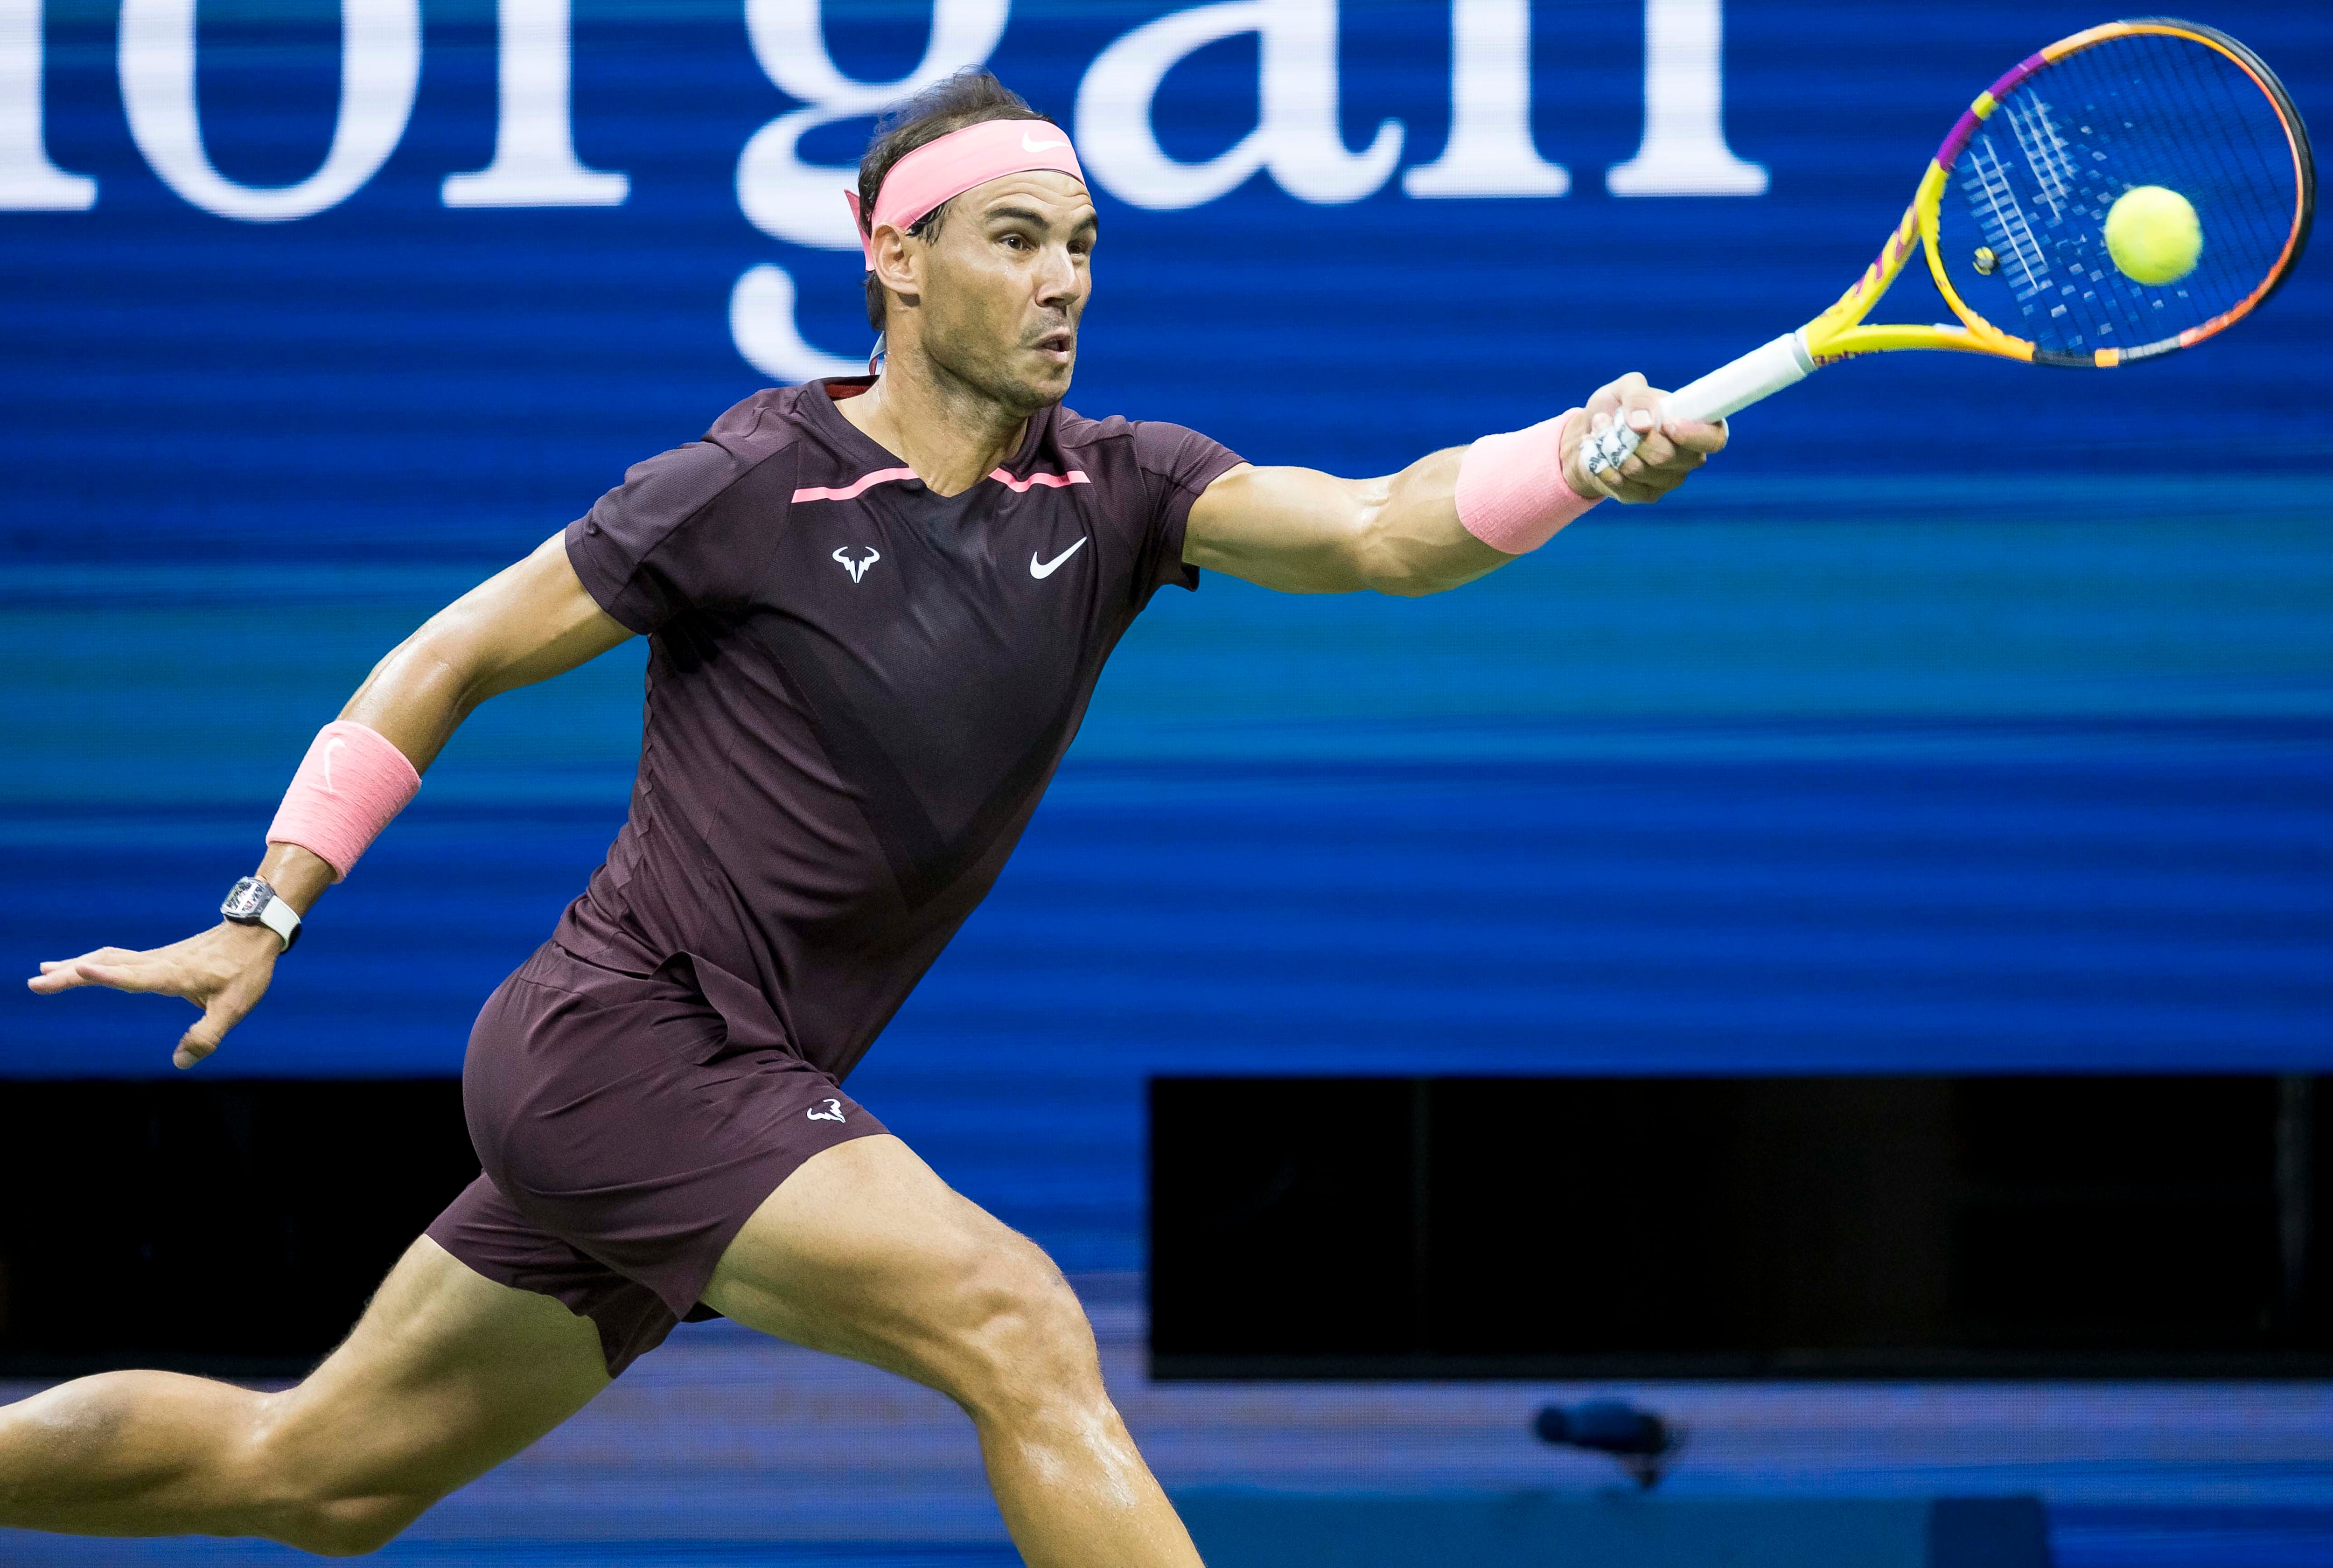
[
  {"x": 660, "y": 544},
  {"x": 1177, "y": 465}
]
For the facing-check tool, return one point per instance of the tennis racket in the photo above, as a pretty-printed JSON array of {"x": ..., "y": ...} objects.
[{"x": 2013, "y": 209}]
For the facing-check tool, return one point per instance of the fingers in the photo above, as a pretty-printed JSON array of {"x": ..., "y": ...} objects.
[
  {"x": 1578, "y": 438},
  {"x": 1654, "y": 449},
  {"x": 204, "y": 1038},
  {"x": 1704, "y": 436},
  {"x": 1666, "y": 450},
  {"x": 1654, "y": 469},
  {"x": 1612, "y": 397},
  {"x": 135, "y": 971},
  {"x": 220, "y": 971},
  {"x": 222, "y": 1011},
  {"x": 116, "y": 967}
]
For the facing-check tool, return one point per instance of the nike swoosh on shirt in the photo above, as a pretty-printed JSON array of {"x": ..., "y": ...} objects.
[
  {"x": 1048, "y": 568},
  {"x": 1028, "y": 146}
]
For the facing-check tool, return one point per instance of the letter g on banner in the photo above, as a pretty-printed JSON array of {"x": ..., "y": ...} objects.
[
  {"x": 1296, "y": 137},
  {"x": 381, "y": 67},
  {"x": 801, "y": 203}
]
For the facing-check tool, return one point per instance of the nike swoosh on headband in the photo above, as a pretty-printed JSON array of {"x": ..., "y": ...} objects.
[{"x": 954, "y": 164}]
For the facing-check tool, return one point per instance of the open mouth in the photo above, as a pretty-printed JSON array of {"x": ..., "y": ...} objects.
[{"x": 1057, "y": 345}]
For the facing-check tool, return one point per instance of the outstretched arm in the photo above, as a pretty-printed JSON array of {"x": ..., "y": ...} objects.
[
  {"x": 1303, "y": 532},
  {"x": 524, "y": 625}
]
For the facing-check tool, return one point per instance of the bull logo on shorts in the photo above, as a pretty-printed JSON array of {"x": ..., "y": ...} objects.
[{"x": 831, "y": 1112}]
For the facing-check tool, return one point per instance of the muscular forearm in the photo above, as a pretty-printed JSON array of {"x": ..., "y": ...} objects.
[
  {"x": 414, "y": 698},
  {"x": 1303, "y": 532},
  {"x": 1299, "y": 531},
  {"x": 1411, "y": 542}
]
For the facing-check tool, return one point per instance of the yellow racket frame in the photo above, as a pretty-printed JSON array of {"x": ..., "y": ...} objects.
[{"x": 1840, "y": 332}]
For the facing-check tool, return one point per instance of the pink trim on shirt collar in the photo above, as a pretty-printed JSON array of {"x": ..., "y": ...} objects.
[
  {"x": 850, "y": 491},
  {"x": 885, "y": 475},
  {"x": 1052, "y": 480}
]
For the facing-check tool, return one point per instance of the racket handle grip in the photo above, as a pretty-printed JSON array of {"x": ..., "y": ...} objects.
[{"x": 1760, "y": 373}]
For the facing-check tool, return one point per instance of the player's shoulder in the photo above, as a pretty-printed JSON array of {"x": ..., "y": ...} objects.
[
  {"x": 765, "y": 423},
  {"x": 730, "y": 463},
  {"x": 1155, "y": 447}
]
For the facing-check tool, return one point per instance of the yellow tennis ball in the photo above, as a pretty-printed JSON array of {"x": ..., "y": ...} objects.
[{"x": 2153, "y": 236}]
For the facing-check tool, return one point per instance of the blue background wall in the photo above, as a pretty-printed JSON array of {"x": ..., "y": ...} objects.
[{"x": 1965, "y": 715}]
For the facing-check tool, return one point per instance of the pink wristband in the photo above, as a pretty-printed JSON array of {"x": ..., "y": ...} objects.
[
  {"x": 1512, "y": 493},
  {"x": 349, "y": 786}
]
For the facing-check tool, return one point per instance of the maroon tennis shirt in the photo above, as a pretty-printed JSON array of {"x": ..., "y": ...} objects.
[{"x": 857, "y": 692}]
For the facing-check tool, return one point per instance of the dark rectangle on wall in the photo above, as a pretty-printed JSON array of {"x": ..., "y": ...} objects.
[
  {"x": 225, "y": 1226},
  {"x": 1694, "y": 1228}
]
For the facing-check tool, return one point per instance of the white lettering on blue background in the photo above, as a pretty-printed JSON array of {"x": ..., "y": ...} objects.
[
  {"x": 1296, "y": 137},
  {"x": 1490, "y": 151},
  {"x": 801, "y": 203},
  {"x": 381, "y": 68},
  {"x": 761, "y": 325},
  {"x": 29, "y": 182},
  {"x": 1684, "y": 152},
  {"x": 534, "y": 162}
]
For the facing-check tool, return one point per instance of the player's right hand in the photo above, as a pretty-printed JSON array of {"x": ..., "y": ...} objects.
[
  {"x": 224, "y": 970},
  {"x": 1667, "y": 450}
]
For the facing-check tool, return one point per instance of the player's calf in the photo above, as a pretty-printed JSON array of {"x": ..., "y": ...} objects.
[
  {"x": 447, "y": 1375},
  {"x": 308, "y": 1496},
  {"x": 148, "y": 1453}
]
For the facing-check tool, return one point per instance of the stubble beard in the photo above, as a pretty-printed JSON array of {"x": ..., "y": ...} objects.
[{"x": 981, "y": 356}]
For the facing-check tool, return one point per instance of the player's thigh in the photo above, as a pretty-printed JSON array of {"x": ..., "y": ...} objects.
[
  {"x": 864, "y": 1251},
  {"x": 447, "y": 1374}
]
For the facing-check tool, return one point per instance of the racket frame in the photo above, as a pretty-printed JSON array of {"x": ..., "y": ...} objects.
[{"x": 1840, "y": 332}]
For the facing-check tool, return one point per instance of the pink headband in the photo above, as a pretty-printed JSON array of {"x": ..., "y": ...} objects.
[{"x": 951, "y": 166}]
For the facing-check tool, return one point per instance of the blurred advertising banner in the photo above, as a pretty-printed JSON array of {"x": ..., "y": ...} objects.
[{"x": 443, "y": 270}]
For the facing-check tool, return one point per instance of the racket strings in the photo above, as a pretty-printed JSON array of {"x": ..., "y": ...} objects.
[
  {"x": 2038, "y": 181},
  {"x": 2230, "y": 127}
]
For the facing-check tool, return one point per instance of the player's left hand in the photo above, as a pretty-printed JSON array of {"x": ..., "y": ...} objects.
[
  {"x": 1665, "y": 456},
  {"x": 224, "y": 970}
]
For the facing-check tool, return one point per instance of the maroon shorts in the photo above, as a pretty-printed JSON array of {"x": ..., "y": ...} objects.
[{"x": 625, "y": 1141}]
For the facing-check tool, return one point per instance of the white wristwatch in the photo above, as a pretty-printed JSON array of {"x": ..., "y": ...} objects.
[{"x": 252, "y": 901}]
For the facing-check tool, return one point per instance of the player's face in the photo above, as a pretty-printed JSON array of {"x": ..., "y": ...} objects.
[{"x": 1005, "y": 283}]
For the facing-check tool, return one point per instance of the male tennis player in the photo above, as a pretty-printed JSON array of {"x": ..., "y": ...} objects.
[{"x": 875, "y": 610}]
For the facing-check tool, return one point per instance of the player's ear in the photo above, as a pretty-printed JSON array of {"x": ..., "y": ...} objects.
[{"x": 898, "y": 266}]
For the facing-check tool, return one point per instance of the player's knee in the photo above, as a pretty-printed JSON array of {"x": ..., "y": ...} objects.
[{"x": 1023, "y": 1343}]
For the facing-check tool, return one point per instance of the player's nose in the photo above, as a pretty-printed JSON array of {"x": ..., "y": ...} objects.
[{"x": 1058, "y": 279}]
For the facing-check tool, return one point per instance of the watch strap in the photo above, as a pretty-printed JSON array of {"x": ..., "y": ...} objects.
[{"x": 276, "y": 916}]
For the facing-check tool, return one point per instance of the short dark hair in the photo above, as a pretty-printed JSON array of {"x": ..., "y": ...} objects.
[{"x": 969, "y": 97}]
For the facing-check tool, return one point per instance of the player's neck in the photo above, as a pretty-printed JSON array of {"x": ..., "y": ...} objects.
[{"x": 951, "y": 434}]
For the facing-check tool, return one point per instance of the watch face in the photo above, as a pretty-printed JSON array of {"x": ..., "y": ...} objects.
[{"x": 245, "y": 899}]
